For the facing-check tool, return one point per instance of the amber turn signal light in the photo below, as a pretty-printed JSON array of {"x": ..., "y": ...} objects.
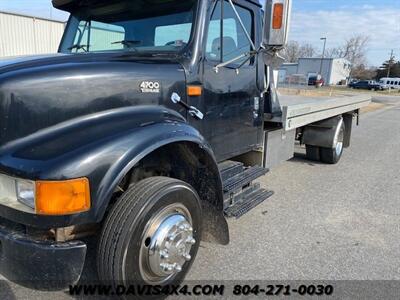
[
  {"x": 277, "y": 16},
  {"x": 62, "y": 197},
  {"x": 194, "y": 90}
]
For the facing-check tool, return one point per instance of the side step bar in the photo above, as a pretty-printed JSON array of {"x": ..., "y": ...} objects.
[
  {"x": 248, "y": 202},
  {"x": 234, "y": 175},
  {"x": 240, "y": 193},
  {"x": 244, "y": 178}
]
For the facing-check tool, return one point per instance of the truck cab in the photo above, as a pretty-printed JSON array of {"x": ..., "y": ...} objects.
[
  {"x": 146, "y": 130},
  {"x": 184, "y": 42}
]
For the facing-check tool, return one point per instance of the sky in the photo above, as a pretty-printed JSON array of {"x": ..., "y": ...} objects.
[{"x": 336, "y": 20}]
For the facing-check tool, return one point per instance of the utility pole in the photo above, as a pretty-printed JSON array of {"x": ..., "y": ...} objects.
[
  {"x": 390, "y": 63},
  {"x": 323, "y": 55}
]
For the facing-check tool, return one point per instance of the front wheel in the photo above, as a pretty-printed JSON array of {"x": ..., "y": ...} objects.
[{"x": 151, "y": 235}]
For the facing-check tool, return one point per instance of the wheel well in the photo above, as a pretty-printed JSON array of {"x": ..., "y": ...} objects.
[
  {"x": 185, "y": 161},
  {"x": 192, "y": 164}
]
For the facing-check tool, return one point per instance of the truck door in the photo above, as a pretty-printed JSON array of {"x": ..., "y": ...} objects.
[{"x": 231, "y": 94}]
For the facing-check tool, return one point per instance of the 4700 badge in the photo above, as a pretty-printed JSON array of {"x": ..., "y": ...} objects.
[
  {"x": 283, "y": 290},
  {"x": 150, "y": 87}
]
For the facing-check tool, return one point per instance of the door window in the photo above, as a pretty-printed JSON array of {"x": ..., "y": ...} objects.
[{"x": 234, "y": 40}]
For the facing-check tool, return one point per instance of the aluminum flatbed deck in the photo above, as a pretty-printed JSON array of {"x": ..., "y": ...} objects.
[{"x": 298, "y": 111}]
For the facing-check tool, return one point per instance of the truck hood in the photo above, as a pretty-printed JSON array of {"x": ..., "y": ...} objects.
[
  {"x": 38, "y": 92},
  {"x": 14, "y": 60}
]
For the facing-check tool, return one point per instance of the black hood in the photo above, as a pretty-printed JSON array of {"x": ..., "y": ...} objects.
[{"x": 42, "y": 91}]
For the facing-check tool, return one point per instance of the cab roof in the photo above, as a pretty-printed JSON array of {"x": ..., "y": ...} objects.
[{"x": 72, "y": 5}]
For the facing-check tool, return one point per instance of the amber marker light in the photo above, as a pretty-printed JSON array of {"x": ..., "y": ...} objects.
[
  {"x": 194, "y": 90},
  {"x": 277, "y": 16},
  {"x": 62, "y": 197}
]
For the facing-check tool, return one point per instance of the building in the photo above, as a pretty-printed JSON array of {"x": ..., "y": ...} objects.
[
  {"x": 334, "y": 70},
  {"x": 27, "y": 35}
]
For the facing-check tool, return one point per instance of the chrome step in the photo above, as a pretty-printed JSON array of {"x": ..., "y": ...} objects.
[{"x": 241, "y": 194}]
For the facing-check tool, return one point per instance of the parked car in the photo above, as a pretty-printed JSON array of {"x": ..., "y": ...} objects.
[
  {"x": 389, "y": 83},
  {"x": 366, "y": 85},
  {"x": 353, "y": 81},
  {"x": 383, "y": 86},
  {"x": 313, "y": 80}
]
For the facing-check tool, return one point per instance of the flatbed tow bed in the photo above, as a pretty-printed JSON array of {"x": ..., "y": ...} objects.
[
  {"x": 299, "y": 111},
  {"x": 316, "y": 122}
]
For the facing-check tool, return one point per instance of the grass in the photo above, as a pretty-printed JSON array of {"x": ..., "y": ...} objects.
[
  {"x": 386, "y": 92},
  {"x": 373, "y": 107}
]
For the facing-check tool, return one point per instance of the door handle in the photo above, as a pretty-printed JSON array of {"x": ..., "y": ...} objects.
[{"x": 193, "y": 111}]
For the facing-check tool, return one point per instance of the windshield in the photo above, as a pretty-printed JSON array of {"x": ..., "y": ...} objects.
[{"x": 140, "y": 26}]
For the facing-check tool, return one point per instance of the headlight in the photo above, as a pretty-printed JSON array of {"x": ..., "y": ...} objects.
[
  {"x": 25, "y": 192},
  {"x": 17, "y": 194}
]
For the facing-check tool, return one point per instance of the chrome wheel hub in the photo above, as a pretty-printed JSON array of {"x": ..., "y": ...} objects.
[
  {"x": 339, "y": 147},
  {"x": 166, "y": 244},
  {"x": 339, "y": 138}
]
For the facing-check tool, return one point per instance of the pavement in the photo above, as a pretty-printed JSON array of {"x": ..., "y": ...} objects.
[{"x": 324, "y": 222}]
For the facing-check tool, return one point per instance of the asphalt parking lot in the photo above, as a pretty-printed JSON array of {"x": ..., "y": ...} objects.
[{"x": 324, "y": 222}]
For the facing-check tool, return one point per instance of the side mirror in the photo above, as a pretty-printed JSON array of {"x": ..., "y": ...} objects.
[{"x": 276, "y": 23}]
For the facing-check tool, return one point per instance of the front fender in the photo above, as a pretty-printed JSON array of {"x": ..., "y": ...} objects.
[{"x": 101, "y": 147}]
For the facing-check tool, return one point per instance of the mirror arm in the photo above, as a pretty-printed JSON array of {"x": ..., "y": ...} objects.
[
  {"x": 222, "y": 33},
  {"x": 224, "y": 64},
  {"x": 245, "y": 61},
  {"x": 272, "y": 60},
  {"x": 242, "y": 25},
  {"x": 89, "y": 35},
  {"x": 272, "y": 57}
]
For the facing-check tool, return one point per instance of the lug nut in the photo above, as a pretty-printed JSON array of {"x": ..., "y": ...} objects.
[
  {"x": 187, "y": 257},
  {"x": 178, "y": 268},
  {"x": 167, "y": 267},
  {"x": 164, "y": 255},
  {"x": 191, "y": 241},
  {"x": 182, "y": 227},
  {"x": 170, "y": 238},
  {"x": 190, "y": 229}
]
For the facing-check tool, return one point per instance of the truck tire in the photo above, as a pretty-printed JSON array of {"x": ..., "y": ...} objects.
[
  {"x": 151, "y": 235},
  {"x": 312, "y": 153},
  {"x": 332, "y": 156}
]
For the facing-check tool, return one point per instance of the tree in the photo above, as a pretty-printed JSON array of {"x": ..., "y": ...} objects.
[
  {"x": 394, "y": 69},
  {"x": 291, "y": 52},
  {"x": 362, "y": 72},
  {"x": 307, "y": 50},
  {"x": 353, "y": 49},
  {"x": 295, "y": 50}
]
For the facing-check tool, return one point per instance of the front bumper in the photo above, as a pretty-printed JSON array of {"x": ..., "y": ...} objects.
[{"x": 39, "y": 264}]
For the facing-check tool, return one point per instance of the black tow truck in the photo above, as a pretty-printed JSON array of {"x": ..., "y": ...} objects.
[{"x": 146, "y": 130}]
